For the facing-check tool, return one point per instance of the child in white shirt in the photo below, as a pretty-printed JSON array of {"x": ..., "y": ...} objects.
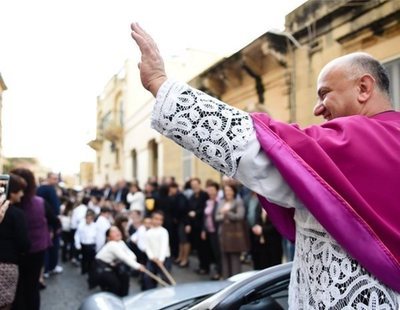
[
  {"x": 85, "y": 240},
  {"x": 157, "y": 249}
]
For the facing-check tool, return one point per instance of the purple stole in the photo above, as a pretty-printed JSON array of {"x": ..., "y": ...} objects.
[{"x": 347, "y": 174}]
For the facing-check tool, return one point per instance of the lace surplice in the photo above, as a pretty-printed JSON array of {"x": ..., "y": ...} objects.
[{"x": 324, "y": 276}]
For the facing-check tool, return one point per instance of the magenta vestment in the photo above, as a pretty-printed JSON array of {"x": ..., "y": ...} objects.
[{"x": 347, "y": 174}]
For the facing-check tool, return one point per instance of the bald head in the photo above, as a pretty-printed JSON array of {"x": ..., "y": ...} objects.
[
  {"x": 354, "y": 84},
  {"x": 359, "y": 63}
]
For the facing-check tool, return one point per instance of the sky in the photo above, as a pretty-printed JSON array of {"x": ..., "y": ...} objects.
[{"x": 56, "y": 56}]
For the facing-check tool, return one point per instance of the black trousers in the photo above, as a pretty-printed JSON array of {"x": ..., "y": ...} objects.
[
  {"x": 213, "y": 240},
  {"x": 88, "y": 255},
  {"x": 112, "y": 279},
  {"x": 203, "y": 248},
  {"x": 67, "y": 247},
  {"x": 27, "y": 296}
]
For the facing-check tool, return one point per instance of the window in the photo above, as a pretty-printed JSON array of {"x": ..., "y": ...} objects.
[
  {"x": 393, "y": 68},
  {"x": 117, "y": 157},
  {"x": 98, "y": 164},
  {"x": 134, "y": 164},
  {"x": 153, "y": 158},
  {"x": 105, "y": 121}
]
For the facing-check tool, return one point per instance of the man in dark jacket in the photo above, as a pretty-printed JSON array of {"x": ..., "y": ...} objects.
[{"x": 48, "y": 192}]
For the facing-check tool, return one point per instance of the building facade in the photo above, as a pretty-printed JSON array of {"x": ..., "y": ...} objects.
[
  {"x": 126, "y": 146},
  {"x": 276, "y": 73},
  {"x": 108, "y": 143},
  {"x": 86, "y": 174}
]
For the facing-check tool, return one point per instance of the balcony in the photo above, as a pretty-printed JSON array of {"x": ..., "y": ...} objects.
[
  {"x": 96, "y": 144},
  {"x": 112, "y": 132}
]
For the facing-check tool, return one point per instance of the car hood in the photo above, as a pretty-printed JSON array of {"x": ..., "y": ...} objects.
[
  {"x": 103, "y": 301},
  {"x": 164, "y": 297}
]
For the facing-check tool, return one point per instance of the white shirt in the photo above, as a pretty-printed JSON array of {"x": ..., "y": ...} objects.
[
  {"x": 65, "y": 222},
  {"x": 224, "y": 137},
  {"x": 78, "y": 214},
  {"x": 114, "y": 252},
  {"x": 95, "y": 208},
  {"x": 157, "y": 243},
  {"x": 139, "y": 237},
  {"x": 102, "y": 225},
  {"x": 136, "y": 201},
  {"x": 85, "y": 234}
]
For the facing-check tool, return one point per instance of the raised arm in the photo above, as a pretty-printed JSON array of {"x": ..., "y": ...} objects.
[{"x": 217, "y": 133}]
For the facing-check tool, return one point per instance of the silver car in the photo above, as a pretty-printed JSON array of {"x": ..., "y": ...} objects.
[
  {"x": 247, "y": 290},
  {"x": 266, "y": 290},
  {"x": 172, "y": 297}
]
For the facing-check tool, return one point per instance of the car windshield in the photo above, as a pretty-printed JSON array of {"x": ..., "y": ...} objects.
[{"x": 187, "y": 304}]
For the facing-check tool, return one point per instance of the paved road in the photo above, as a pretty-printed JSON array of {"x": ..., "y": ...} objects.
[{"x": 67, "y": 290}]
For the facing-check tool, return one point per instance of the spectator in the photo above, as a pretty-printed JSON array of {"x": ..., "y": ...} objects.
[
  {"x": 122, "y": 193},
  {"x": 180, "y": 220},
  {"x": 265, "y": 240},
  {"x": 103, "y": 223},
  {"x": 136, "y": 198},
  {"x": 85, "y": 240},
  {"x": 232, "y": 231},
  {"x": 48, "y": 191},
  {"x": 138, "y": 240},
  {"x": 94, "y": 204},
  {"x": 37, "y": 217},
  {"x": 210, "y": 228},
  {"x": 197, "y": 204},
  {"x": 135, "y": 220},
  {"x": 78, "y": 215},
  {"x": 14, "y": 241},
  {"x": 157, "y": 249},
  {"x": 165, "y": 204},
  {"x": 122, "y": 221},
  {"x": 67, "y": 236},
  {"x": 111, "y": 262}
]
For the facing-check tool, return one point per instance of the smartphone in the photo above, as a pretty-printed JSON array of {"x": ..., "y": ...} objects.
[{"x": 4, "y": 179}]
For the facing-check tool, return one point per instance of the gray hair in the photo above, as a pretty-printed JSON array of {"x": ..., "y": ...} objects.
[{"x": 365, "y": 63}]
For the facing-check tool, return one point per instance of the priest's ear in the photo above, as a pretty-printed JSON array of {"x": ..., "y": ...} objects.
[{"x": 366, "y": 87}]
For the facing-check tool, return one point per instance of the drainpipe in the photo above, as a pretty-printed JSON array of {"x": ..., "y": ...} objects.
[
  {"x": 259, "y": 85},
  {"x": 292, "y": 96}
]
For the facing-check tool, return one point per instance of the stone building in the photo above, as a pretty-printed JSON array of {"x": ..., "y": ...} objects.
[
  {"x": 126, "y": 146},
  {"x": 276, "y": 73}
]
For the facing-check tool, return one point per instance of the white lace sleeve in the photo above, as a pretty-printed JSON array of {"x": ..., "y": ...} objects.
[{"x": 214, "y": 131}]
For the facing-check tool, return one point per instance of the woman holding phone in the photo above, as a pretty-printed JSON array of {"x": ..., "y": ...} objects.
[{"x": 14, "y": 242}]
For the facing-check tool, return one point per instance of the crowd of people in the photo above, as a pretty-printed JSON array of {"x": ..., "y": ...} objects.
[{"x": 120, "y": 231}]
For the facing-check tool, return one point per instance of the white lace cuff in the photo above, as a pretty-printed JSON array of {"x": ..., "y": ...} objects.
[{"x": 214, "y": 131}]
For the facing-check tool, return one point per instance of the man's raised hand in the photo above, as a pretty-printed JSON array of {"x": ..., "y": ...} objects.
[{"x": 152, "y": 71}]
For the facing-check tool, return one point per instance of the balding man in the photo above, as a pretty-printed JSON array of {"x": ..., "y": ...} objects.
[{"x": 335, "y": 187}]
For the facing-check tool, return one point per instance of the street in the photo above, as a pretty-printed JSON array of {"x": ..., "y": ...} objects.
[{"x": 68, "y": 289}]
